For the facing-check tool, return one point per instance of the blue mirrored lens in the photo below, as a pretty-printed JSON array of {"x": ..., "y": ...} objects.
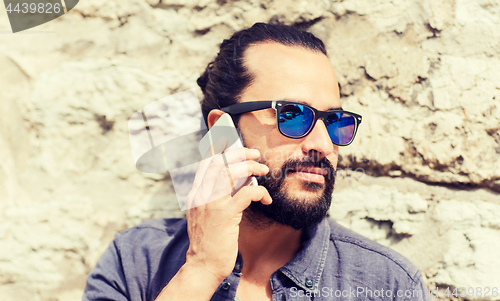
[
  {"x": 340, "y": 127},
  {"x": 295, "y": 120}
]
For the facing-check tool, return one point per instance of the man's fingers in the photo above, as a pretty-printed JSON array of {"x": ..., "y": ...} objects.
[
  {"x": 218, "y": 162},
  {"x": 220, "y": 200},
  {"x": 249, "y": 194},
  {"x": 244, "y": 170},
  {"x": 213, "y": 157},
  {"x": 227, "y": 178},
  {"x": 240, "y": 154},
  {"x": 217, "y": 175}
]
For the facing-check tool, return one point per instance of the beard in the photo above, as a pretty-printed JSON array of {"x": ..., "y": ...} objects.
[{"x": 287, "y": 209}]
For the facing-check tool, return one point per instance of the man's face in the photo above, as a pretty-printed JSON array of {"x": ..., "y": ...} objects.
[{"x": 301, "y": 194}]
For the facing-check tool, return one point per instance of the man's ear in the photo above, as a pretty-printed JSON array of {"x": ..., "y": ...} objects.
[{"x": 213, "y": 116}]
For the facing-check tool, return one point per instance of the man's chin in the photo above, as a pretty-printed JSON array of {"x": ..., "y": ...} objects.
[
  {"x": 296, "y": 216},
  {"x": 303, "y": 189},
  {"x": 297, "y": 202},
  {"x": 297, "y": 206}
]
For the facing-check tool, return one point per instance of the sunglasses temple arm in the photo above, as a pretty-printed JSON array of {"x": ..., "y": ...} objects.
[{"x": 246, "y": 107}]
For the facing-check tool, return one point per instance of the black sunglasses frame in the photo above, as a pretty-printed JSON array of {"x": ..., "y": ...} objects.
[{"x": 277, "y": 105}]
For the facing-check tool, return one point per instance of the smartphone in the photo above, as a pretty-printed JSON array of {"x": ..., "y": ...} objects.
[{"x": 224, "y": 128}]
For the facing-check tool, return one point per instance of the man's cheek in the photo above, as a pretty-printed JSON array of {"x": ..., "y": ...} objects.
[
  {"x": 276, "y": 156},
  {"x": 333, "y": 159},
  {"x": 279, "y": 156},
  {"x": 276, "y": 173}
]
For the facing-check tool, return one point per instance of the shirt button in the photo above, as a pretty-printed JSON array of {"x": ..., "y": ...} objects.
[
  {"x": 226, "y": 286},
  {"x": 309, "y": 283}
]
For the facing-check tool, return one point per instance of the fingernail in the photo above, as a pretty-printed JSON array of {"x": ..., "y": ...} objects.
[
  {"x": 255, "y": 152},
  {"x": 265, "y": 168}
]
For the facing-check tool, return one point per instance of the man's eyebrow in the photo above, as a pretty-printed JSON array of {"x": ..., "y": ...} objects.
[
  {"x": 306, "y": 103},
  {"x": 334, "y": 108}
]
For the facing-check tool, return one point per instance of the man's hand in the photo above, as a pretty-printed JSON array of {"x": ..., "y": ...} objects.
[{"x": 213, "y": 222}]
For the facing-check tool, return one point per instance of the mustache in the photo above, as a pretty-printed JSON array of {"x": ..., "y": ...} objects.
[{"x": 291, "y": 165}]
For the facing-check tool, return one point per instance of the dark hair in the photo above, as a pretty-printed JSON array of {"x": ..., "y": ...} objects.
[{"x": 227, "y": 76}]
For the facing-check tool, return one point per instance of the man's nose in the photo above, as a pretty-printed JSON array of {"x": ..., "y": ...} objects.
[{"x": 318, "y": 141}]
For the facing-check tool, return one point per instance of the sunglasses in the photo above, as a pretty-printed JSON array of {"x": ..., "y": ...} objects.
[{"x": 296, "y": 120}]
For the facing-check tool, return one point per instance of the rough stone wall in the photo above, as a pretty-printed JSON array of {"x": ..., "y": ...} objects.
[{"x": 422, "y": 177}]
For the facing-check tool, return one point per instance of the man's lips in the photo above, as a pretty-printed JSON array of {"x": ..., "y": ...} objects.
[
  {"x": 310, "y": 174},
  {"x": 313, "y": 170}
]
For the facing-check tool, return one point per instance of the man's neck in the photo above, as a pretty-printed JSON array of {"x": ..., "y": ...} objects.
[{"x": 266, "y": 244}]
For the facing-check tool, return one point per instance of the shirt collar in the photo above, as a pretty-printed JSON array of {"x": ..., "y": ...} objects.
[{"x": 306, "y": 267}]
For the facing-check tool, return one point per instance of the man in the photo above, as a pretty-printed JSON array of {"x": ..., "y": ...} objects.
[{"x": 267, "y": 242}]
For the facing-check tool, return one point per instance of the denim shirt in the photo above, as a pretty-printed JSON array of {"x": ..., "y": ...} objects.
[{"x": 334, "y": 263}]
